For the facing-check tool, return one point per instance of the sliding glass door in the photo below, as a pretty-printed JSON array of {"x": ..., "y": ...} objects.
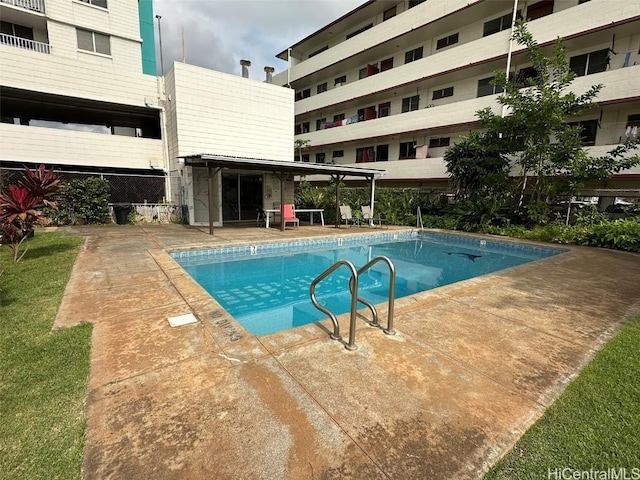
[{"x": 241, "y": 196}]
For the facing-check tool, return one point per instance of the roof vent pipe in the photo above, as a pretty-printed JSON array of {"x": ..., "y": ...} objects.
[
  {"x": 245, "y": 68},
  {"x": 269, "y": 74}
]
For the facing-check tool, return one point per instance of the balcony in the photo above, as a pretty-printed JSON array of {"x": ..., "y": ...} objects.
[
  {"x": 33, "y": 5},
  {"x": 25, "y": 43}
]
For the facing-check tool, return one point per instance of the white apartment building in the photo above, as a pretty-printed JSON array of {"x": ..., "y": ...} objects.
[
  {"x": 399, "y": 81},
  {"x": 78, "y": 90}
]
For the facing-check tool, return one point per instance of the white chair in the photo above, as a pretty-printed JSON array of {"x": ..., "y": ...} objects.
[
  {"x": 366, "y": 214},
  {"x": 347, "y": 217}
]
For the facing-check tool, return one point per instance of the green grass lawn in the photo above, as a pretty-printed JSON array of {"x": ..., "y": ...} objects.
[
  {"x": 43, "y": 381},
  {"x": 594, "y": 425}
]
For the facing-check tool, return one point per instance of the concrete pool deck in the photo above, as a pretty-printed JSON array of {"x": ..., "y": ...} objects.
[{"x": 472, "y": 366}]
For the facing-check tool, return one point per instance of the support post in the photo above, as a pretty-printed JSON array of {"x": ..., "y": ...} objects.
[
  {"x": 338, "y": 179},
  {"x": 372, "y": 196},
  {"x": 210, "y": 194},
  {"x": 282, "y": 201}
]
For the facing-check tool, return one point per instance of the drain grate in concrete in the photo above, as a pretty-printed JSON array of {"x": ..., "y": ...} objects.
[{"x": 181, "y": 320}]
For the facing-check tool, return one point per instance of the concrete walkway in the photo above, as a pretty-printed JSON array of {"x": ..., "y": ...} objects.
[{"x": 472, "y": 366}]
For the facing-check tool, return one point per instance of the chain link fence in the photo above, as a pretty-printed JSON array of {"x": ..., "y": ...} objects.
[{"x": 147, "y": 194}]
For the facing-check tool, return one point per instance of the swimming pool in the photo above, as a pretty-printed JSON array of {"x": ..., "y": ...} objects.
[{"x": 266, "y": 287}]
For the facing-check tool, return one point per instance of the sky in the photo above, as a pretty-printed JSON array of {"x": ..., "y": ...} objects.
[{"x": 218, "y": 33}]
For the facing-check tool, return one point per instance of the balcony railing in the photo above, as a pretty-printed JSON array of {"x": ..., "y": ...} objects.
[
  {"x": 24, "y": 43},
  {"x": 34, "y": 5}
]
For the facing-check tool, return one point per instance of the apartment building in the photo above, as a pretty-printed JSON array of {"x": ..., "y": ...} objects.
[
  {"x": 78, "y": 90},
  {"x": 400, "y": 81}
]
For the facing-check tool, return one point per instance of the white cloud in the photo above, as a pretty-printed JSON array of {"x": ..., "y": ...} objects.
[{"x": 218, "y": 33}]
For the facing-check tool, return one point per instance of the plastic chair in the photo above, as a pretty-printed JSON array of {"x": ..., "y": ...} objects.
[
  {"x": 289, "y": 215},
  {"x": 366, "y": 213},
  {"x": 345, "y": 214}
]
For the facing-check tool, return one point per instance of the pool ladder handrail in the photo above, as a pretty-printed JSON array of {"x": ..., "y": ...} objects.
[
  {"x": 419, "y": 219},
  {"x": 353, "y": 289},
  {"x": 392, "y": 293},
  {"x": 354, "y": 302}
]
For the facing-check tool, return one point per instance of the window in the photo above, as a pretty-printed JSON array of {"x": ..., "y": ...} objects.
[
  {"x": 368, "y": 113},
  {"x": 413, "y": 55},
  {"x": 320, "y": 123},
  {"x": 313, "y": 54},
  {"x": 410, "y": 104},
  {"x": 589, "y": 129},
  {"x": 486, "y": 88},
  {"x": 447, "y": 41},
  {"x": 389, "y": 14},
  {"x": 340, "y": 81},
  {"x": 305, "y": 158},
  {"x": 386, "y": 64},
  {"x": 497, "y": 25},
  {"x": 362, "y": 73},
  {"x": 359, "y": 31},
  {"x": 365, "y": 154},
  {"x": 306, "y": 93},
  {"x": 589, "y": 63},
  {"x": 78, "y": 115},
  {"x": 443, "y": 92},
  {"x": 97, "y": 3},
  {"x": 540, "y": 9},
  {"x": 407, "y": 150},
  {"x": 384, "y": 109},
  {"x": 16, "y": 30},
  {"x": 413, "y": 3},
  {"x": 320, "y": 157},
  {"x": 302, "y": 128},
  {"x": 382, "y": 153},
  {"x": 93, "y": 42},
  {"x": 439, "y": 142},
  {"x": 633, "y": 120},
  {"x": 337, "y": 154},
  {"x": 337, "y": 118},
  {"x": 525, "y": 77},
  {"x": 321, "y": 88}
]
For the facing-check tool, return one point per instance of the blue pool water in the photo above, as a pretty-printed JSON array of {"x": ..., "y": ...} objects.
[{"x": 266, "y": 287}]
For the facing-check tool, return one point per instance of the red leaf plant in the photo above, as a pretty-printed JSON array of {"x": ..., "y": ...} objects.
[{"x": 20, "y": 206}]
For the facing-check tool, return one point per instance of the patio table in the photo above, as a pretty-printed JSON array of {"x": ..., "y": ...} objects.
[{"x": 310, "y": 211}]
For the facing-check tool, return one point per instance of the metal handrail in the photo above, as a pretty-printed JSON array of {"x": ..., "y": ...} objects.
[
  {"x": 354, "y": 301},
  {"x": 419, "y": 220},
  {"x": 392, "y": 293},
  {"x": 374, "y": 312},
  {"x": 25, "y": 43},
  {"x": 35, "y": 5}
]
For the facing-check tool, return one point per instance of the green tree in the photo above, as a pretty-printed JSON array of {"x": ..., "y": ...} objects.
[
  {"x": 535, "y": 132},
  {"x": 300, "y": 145}
]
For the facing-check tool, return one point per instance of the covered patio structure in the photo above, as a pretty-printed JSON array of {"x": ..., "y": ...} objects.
[{"x": 283, "y": 170}]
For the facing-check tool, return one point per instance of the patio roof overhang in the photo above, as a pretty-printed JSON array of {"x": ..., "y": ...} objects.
[
  {"x": 215, "y": 163},
  {"x": 295, "y": 168}
]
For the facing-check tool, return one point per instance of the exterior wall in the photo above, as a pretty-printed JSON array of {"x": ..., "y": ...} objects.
[
  {"x": 67, "y": 147},
  {"x": 225, "y": 114},
  {"x": 147, "y": 32}
]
